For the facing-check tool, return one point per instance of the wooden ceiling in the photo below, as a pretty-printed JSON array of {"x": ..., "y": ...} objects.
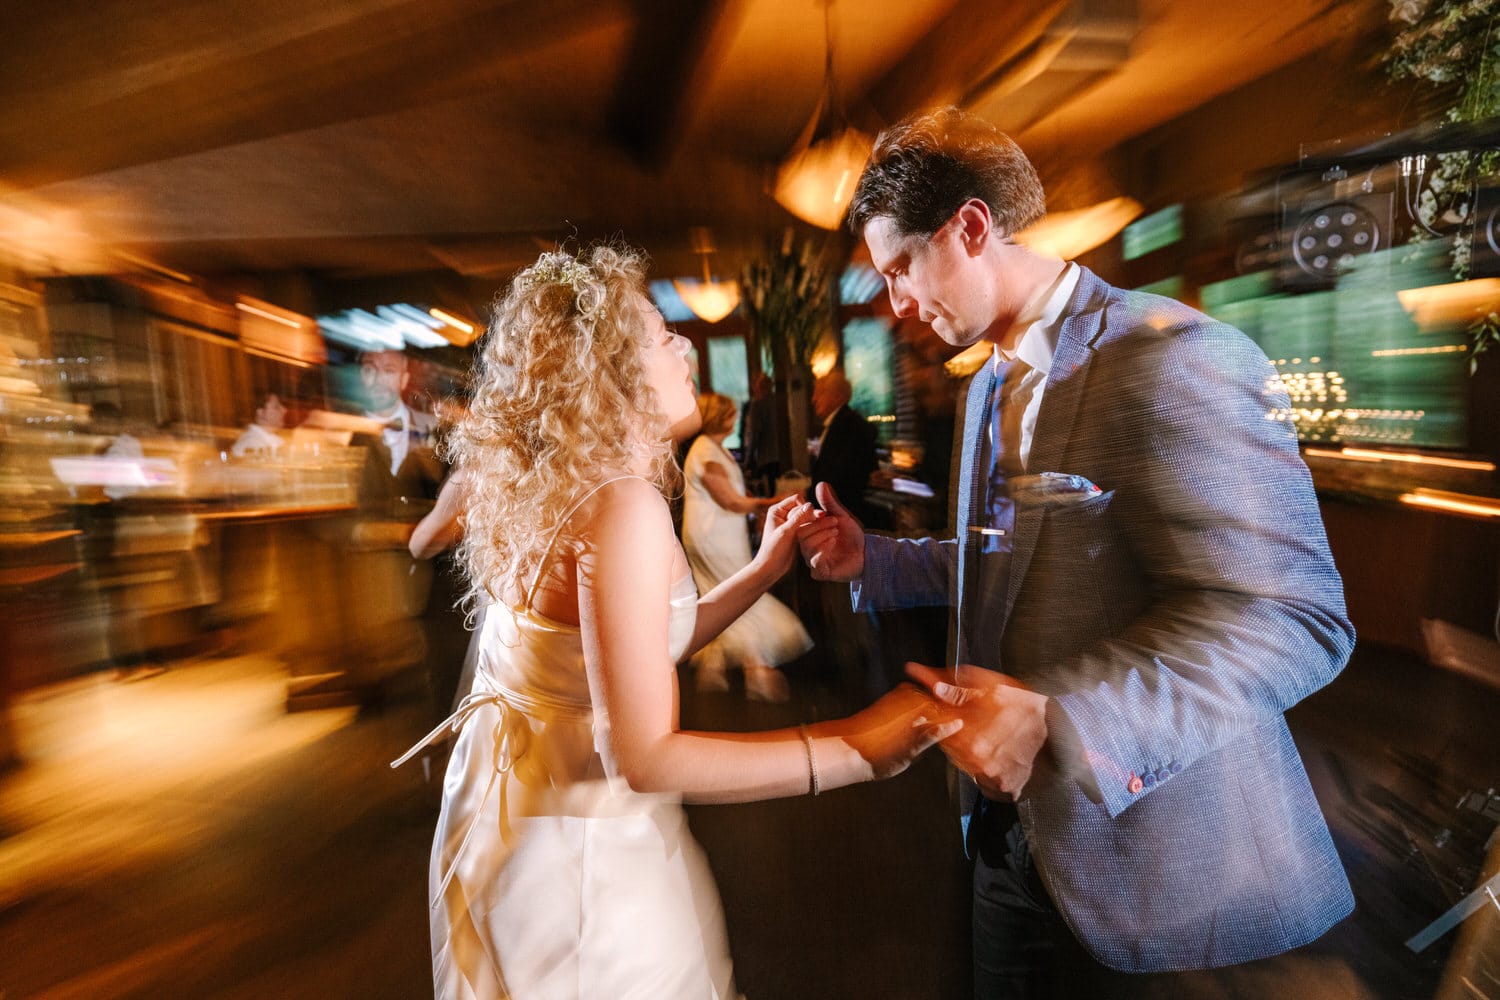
[{"x": 370, "y": 139}]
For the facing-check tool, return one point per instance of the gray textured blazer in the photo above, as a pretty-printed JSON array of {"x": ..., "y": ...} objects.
[{"x": 1173, "y": 618}]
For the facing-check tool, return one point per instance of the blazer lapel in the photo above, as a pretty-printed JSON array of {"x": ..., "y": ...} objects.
[{"x": 1082, "y": 326}]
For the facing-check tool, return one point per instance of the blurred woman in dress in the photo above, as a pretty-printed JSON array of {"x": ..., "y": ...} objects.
[
  {"x": 717, "y": 540},
  {"x": 562, "y": 864}
]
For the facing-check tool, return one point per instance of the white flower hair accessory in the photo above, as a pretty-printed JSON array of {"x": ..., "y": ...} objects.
[{"x": 559, "y": 268}]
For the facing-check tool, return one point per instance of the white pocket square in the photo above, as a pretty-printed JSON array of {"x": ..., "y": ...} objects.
[{"x": 1051, "y": 489}]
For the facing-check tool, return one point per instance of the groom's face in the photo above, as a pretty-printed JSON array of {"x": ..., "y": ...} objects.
[{"x": 932, "y": 278}]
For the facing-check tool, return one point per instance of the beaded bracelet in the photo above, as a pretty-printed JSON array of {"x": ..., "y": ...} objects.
[{"x": 812, "y": 761}]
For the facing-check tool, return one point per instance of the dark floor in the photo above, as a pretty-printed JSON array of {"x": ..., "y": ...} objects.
[{"x": 182, "y": 836}]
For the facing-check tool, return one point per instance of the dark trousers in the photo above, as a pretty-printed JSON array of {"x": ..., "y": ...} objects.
[{"x": 1023, "y": 948}]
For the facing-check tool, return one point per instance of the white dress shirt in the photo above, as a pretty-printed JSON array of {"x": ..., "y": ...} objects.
[
  {"x": 1035, "y": 334},
  {"x": 396, "y": 438}
]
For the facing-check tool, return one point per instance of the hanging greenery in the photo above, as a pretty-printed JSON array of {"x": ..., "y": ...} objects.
[
  {"x": 786, "y": 299},
  {"x": 1453, "y": 45}
]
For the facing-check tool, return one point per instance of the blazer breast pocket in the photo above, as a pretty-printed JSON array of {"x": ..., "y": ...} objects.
[
  {"x": 1089, "y": 507},
  {"x": 1083, "y": 555},
  {"x": 1085, "y": 524}
]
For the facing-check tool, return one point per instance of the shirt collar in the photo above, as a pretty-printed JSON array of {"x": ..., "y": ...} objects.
[
  {"x": 1041, "y": 322},
  {"x": 400, "y": 415}
]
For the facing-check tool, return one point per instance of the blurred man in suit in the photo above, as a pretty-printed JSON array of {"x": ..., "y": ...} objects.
[
  {"x": 844, "y": 455},
  {"x": 1142, "y": 583},
  {"x": 844, "y": 458},
  {"x": 407, "y": 433},
  {"x": 758, "y": 437},
  {"x": 369, "y": 595}
]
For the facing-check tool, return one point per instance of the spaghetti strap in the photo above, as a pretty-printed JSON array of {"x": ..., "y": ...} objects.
[{"x": 537, "y": 580}]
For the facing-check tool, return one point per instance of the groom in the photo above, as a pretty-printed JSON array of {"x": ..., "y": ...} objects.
[{"x": 1142, "y": 587}]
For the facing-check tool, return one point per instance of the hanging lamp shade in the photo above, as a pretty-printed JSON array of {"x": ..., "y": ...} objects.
[
  {"x": 816, "y": 182},
  {"x": 709, "y": 300}
]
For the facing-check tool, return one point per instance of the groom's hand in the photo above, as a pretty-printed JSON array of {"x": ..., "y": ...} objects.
[
  {"x": 834, "y": 543},
  {"x": 1005, "y": 726}
]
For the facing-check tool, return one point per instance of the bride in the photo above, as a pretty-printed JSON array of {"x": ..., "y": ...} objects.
[{"x": 562, "y": 864}]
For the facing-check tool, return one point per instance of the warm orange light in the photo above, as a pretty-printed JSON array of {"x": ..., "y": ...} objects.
[
  {"x": 1456, "y": 503},
  {"x": 1068, "y": 234},
  {"x": 451, "y": 320},
  {"x": 463, "y": 333},
  {"x": 1457, "y": 302},
  {"x": 153, "y": 266},
  {"x": 1328, "y": 453},
  {"x": 1404, "y": 352},
  {"x": 817, "y": 183},
  {"x": 710, "y": 301},
  {"x": 967, "y": 361},
  {"x": 824, "y": 357},
  {"x": 295, "y": 324},
  {"x": 1366, "y": 454}
]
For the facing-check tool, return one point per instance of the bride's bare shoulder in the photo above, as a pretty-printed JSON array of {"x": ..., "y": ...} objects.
[{"x": 628, "y": 498}]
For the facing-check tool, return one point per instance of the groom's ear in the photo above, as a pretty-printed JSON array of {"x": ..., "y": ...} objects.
[{"x": 976, "y": 227}]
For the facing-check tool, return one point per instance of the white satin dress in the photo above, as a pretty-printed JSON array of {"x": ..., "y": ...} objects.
[{"x": 550, "y": 879}]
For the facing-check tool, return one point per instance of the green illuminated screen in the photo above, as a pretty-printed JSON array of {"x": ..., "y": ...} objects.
[
  {"x": 1157, "y": 230},
  {"x": 1358, "y": 366}
]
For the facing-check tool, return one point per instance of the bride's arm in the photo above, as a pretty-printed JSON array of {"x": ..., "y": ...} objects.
[
  {"x": 718, "y": 609},
  {"x": 624, "y": 580}
]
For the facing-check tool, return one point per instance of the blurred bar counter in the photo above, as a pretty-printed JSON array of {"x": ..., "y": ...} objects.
[
  {"x": 1416, "y": 537},
  {"x": 130, "y": 558}
]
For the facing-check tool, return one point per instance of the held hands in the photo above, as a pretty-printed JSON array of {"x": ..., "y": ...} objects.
[
  {"x": 1005, "y": 726},
  {"x": 834, "y": 543},
  {"x": 898, "y": 728},
  {"x": 778, "y": 540}
]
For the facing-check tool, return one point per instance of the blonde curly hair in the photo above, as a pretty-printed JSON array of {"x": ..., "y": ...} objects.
[{"x": 560, "y": 404}]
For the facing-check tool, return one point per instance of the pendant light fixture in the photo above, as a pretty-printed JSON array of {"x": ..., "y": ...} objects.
[
  {"x": 709, "y": 299},
  {"x": 816, "y": 180}
]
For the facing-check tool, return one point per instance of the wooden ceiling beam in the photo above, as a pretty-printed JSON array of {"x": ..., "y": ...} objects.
[
  {"x": 674, "y": 48},
  {"x": 964, "y": 48},
  {"x": 158, "y": 104}
]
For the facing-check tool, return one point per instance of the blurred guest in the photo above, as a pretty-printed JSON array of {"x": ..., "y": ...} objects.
[
  {"x": 717, "y": 541},
  {"x": 758, "y": 440},
  {"x": 150, "y": 561},
  {"x": 844, "y": 458},
  {"x": 261, "y": 439},
  {"x": 402, "y": 471},
  {"x": 383, "y": 376},
  {"x": 563, "y": 865},
  {"x": 365, "y": 597},
  {"x": 936, "y": 398},
  {"x": 449, "y": 676},
  {"x": 1131, "y": 781},
  {"x": 844, "y": 454}
]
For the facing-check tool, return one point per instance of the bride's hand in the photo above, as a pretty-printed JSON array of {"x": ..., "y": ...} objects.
[
  {"x": 778, "y": 541},
  {"x": 898, "y": 728}
]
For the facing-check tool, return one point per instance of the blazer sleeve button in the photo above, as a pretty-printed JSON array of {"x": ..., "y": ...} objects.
[
  {"x": 1176, "y": 767},
  {"x": 1135, "y": 785}
]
